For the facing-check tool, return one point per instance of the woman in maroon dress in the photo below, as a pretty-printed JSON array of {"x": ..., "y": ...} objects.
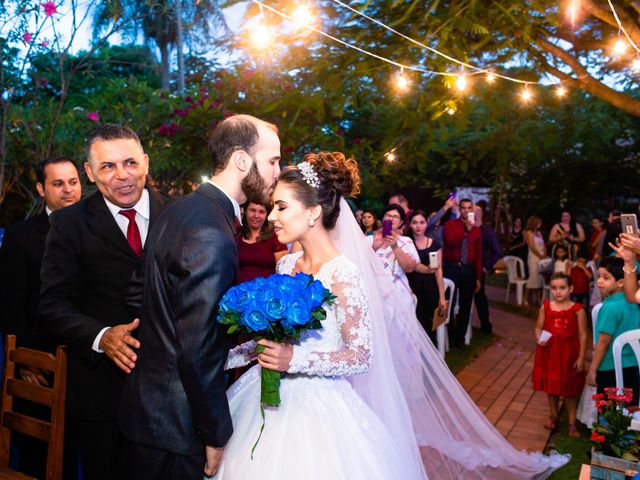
[{"x": 258, "y": 247}]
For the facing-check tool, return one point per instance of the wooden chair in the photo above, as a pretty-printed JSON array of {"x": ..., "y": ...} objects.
[{"x": 51, "y": 432}]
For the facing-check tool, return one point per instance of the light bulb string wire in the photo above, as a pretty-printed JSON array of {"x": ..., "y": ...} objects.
[
  {"x": 427, "y": 47},
  {"x": 362, "y": 50}
]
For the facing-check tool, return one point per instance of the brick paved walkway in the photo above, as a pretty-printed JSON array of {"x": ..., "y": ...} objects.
[{"x": 499, "y": 380}]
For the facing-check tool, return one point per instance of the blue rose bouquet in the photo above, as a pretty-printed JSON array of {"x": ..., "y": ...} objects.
[{"x": 277, "y": 308}]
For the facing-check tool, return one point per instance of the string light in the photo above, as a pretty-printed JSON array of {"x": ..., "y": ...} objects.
[
  {"x": 561, "y": 91},
  {"x": 635, "y": 66},
  {"x": 572, "y": 12},
  {"x": 391, "y": 156},
  {"x": 526, "y": 94},
  {"x": 261, "y": 35},
  {"x": 461, "y": 83},
  {"x": 450, "y": 111},
  {"x": 491, "y": 77},
  {"x": 402, "y": 83},
  {"x": 302, "y": 15},
  {"x": 619, "y": 47}
]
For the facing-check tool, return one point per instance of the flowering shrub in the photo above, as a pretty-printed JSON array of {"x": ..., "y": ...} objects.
[{"x": 611, "y": 434}]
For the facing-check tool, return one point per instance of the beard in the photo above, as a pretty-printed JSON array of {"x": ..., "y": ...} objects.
[{"x": 254, "y": 187}]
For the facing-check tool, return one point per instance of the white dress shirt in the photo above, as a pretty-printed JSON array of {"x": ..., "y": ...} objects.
[{"x": 143, "y": 214}]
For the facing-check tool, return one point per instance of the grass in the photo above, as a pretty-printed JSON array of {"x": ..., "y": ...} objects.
[{"x": 457, "y": 359}]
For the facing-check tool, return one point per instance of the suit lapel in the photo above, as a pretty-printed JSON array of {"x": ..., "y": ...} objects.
[
  {"x": 104, "y": 225},
  {"x": 215, "y": 194}
]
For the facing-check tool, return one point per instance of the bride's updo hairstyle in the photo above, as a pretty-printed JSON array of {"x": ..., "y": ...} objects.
[{"x": 336, "y": 176}]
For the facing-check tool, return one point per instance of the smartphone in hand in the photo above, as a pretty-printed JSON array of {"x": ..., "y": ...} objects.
[
  {"x": 629, "y": 223},
  {"x": 471, "y": 216},
  {"x": 387, "y": 228},
  {"x": 433, "y": 260}
]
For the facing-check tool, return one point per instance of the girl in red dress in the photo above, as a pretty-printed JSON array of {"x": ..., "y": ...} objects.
[{"x": 558, "y": 369}]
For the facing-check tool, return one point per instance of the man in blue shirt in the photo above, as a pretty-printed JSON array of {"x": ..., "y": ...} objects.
[{"x": 491, "y": 253}]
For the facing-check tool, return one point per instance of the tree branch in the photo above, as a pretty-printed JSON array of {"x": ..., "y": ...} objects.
[
  {"x": 587, "y": 82},
  {"x": 605, "y": 14}
]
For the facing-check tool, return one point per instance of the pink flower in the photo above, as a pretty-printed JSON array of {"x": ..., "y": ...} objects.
[
  {"x": 94, "y": 117},
  {"x": 26, "y": 38},
  {"x": 168, "y": 130},
  {"x": 44, "y": 43},
  {"x": 595, "y": 437},
  {"x": 49, "y": 8},
  {"x": 180, "y": 112}
]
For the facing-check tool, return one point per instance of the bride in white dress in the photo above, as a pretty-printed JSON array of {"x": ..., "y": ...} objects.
[
  {"x": 322, "y": 429},
  {"x": 366, "y": 396}
]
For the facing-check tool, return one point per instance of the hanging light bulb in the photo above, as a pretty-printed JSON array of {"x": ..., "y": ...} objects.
[
  {"x": 261, "y": 36},
  {"x": 390, "y": 156},
  {"x": 450, "y": 111},
  {"x": 561, "y": 91},
  {"x": 461, "y": 83},
  {"x": 402, "y": 82},
  {"x": 491, "y": 77},
  {"x": 526, "y": 94},
  {"x": 303, "y": 16},
  {"x": 635, "y": 65},
  {"x": 572, "y": 11},
  {"x": 619, "y": 47}
]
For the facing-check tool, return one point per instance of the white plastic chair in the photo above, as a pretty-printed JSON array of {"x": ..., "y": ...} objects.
[
  {"x": 631, "y": 338},
  {"x": 469, "y": 335},
  {"x": 515, "y": 274},
  {"x": 586, "y": 409},
  {"x": 441, "y": 331}
]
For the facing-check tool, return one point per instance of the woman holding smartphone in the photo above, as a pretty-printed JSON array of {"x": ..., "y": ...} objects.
[
  {"x": 396, "y": 252},
  {"x": 426, "y": 281}
]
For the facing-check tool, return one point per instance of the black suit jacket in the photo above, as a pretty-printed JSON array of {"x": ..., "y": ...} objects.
[
  {"x": 20, "y": 260},
  {"x": 86, "y": 268},
  {"x": 175, "y": 398}
]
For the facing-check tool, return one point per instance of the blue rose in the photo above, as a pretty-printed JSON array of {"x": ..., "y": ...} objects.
[
  {"x": 275, "y": 308},
  {"x": 254, "y": 320},
  {"x": 298, "y": 312},
  {"x": 316, "y": 292}
]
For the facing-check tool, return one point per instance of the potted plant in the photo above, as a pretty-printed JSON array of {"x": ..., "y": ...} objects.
[{"x": 616, "y": 449}]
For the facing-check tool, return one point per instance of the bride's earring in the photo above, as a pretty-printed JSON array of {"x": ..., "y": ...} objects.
[{"x": 312, "y": 222}]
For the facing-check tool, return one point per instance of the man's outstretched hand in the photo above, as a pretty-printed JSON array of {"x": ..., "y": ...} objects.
[
  {"x": 116, "y": 343},
  {"x": 214, "y": 455}
]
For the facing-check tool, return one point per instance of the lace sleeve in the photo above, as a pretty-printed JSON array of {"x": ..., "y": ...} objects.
[
  {"x": 353, "y": 323},
  {"x": 241, "y": 355}
]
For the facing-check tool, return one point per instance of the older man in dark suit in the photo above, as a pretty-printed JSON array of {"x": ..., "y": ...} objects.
[
  {"x": 174, "y": 406},
  {"x": 20, "y": 259},
  {"x": 91, "y": 252}
]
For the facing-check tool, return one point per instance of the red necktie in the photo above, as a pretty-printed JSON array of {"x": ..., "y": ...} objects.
[{"x": 133, "y": 233}]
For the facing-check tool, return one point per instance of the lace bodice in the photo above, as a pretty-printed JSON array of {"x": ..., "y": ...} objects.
[{"x": 343, "y": 345}]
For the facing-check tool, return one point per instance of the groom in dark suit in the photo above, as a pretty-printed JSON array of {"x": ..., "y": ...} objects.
[
  {"x": 92, "y": 249},
  {"x": 174, "y": 406}
]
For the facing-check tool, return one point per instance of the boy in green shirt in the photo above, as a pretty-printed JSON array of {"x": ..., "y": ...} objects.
[{"x": 615, "y": 317}]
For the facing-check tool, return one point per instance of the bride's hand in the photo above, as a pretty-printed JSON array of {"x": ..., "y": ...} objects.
[{"x": 276, "y": 356}]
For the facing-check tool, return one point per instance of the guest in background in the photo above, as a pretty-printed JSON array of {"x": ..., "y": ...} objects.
[
  {"x": 596, "y": 239},
  {"x": 462, "y": 254},
  {"x": 537, "y": 251},
  {"x": 258, "y": 248},
  {"x": 427, "y": 283},
  {"x": 568, "y": 233},
  {"x": 491, "y": 253},
  {"x": 517, "y": 245},
  {"x": 369, "y": 222},
  {"x": 396, "y": 252},
  {"x": 614, "y": 229},
  {"x": 581, "y": 277},
  {"x": 399, "y": 199},
  {"x": 358, "y": 215},
  {"x": 561, "y": 263},
  {"x": 20, "y": 260}
]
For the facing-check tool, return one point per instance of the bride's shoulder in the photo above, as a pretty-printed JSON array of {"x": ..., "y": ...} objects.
[
  {"x": 344, "y": 270},
  {"x": 287, "y": 262}
]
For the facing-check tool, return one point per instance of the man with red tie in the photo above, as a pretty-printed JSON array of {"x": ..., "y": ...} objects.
[
  {"x": 92, "y": 249},
  {"x": 462, "y": 263}
]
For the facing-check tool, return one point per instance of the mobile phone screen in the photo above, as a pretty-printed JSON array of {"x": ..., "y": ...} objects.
[
  {"x": 386, "y": 228},
  {"x": 629, "y": 223}
]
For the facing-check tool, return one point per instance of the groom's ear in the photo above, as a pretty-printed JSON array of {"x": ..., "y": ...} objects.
[{"x": 242, "y": 160}]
